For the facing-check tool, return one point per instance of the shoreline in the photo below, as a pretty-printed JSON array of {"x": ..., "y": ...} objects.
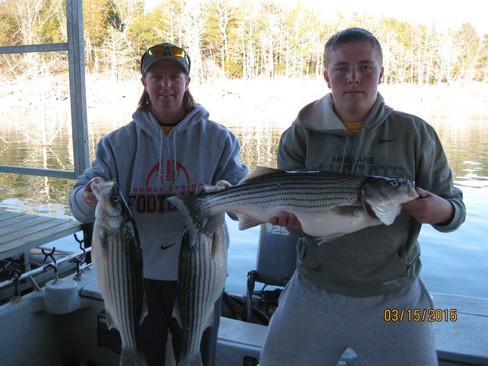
[{"x": 244, "y": 101}]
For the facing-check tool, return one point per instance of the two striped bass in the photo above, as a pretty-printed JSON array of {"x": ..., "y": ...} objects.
[
  {"x": 327, "y": 204},
  {"x": 117, "y": 258},
  {"x": 202, "y": 274}
]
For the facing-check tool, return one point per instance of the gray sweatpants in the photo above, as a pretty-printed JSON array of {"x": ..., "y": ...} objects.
[{"x": 313, "y": 327}]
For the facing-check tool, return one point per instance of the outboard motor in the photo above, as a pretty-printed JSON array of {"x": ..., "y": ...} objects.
[{"x": 275, "y": 264}]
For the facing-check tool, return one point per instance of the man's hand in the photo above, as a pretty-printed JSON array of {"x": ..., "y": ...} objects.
[
  {"x": 429, "y": 208},
  {"x": 287, "y": 220}
]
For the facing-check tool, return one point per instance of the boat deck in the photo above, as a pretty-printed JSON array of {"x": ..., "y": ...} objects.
[
  {"x": 465, "y": 340},
  {"x": 462, "y": 340},
  {"x": 19, "y": 233}
]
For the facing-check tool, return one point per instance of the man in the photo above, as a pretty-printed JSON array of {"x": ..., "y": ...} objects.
[{"x": 338, "y": 296}]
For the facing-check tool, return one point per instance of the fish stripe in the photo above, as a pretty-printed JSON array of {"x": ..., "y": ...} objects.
[{"x": 203, "y": 269}]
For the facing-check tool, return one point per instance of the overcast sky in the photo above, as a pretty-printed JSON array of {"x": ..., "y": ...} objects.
[{"x": 441, "y": 13}]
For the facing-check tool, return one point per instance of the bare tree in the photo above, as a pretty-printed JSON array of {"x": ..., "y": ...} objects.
[
  {"x": 27, "y": 15},
  {"x": 192, "y": 37},
  {"x": 122, "y": 15},
  {"x": 247, "y": 34}
]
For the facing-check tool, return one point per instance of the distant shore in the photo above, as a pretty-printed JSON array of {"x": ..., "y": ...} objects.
[{"x": 245, "y": 101}]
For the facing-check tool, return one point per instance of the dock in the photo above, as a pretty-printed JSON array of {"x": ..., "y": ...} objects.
[{"x": 20, "y": 232}]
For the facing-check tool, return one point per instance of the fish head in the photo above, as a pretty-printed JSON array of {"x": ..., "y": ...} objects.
[
  {"x": 385, "y": 196},
  {"x": 111, "y": 205}
]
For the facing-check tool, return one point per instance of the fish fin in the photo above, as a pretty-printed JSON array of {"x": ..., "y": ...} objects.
[
  {"x": 210, "y": 320},
  {"x": 219, "y": 238},
  {"x": 345, "y": 210},
  {"x": 110, "y": 321},
  {"x": 176, "y": 312},
  {"x": 194, "y": 359},
  {"x": 246, "y": 222},
  {"x": 129, "y": 357},
  {"x": 258, "y": 172},
  {"x": 386, "y": 213},
  {"x": 144, "y": 310}
]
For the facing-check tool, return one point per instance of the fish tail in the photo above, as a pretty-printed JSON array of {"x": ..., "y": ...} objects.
[
  {"x": 132, "y": 357},
  {"x": 191, "y": 360}
]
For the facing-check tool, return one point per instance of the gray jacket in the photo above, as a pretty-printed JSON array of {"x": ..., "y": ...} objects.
[
  {"x": 378, "y": 259},
  {"x": 149, "y": 166}
]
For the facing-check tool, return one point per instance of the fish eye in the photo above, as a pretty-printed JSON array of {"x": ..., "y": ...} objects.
[{"x": 394, "y": 183}]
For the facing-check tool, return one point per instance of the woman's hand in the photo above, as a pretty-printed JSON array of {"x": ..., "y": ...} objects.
[{"x": 88, "y": 194}]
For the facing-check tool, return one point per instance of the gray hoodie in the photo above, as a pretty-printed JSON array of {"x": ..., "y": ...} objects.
[
  {"x": 149, "y": 166},
  {"x": 382, "y": 258}
]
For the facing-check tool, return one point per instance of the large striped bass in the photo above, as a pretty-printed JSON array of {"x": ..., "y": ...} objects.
[
  {"x": 202, "y": 274},
  {"x": 327, "y": 204},
  {"x": 117, "y": 258}
]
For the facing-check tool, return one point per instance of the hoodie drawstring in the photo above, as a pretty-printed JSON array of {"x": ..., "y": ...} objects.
[
  {"x": 172, "y": 157},
  {"x": 160, "y": 173},
  {"x": 344, "y": 150},
  {"x": 175, "y": 163},
  {"x": 359, "y": 149}
]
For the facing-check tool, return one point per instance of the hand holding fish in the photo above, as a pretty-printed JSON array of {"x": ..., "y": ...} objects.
[
  {"x": 223, "y": 183},
  {"x": 87, "y": 193},
  {"x": 286, "y": 219},
  {"x": 429, "y": 208}
]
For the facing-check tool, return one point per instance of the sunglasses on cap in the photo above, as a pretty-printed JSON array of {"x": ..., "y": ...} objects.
[{"x": 167, "y": 50}]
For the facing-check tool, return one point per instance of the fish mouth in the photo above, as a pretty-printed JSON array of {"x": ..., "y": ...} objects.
[{"x": 408, "y": 190}]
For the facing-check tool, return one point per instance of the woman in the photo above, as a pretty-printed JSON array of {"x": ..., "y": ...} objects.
[{"x": 170, "y": 147}]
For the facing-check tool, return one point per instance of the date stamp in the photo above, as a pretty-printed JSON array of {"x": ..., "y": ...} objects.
[{"x": 420, "y": 315}]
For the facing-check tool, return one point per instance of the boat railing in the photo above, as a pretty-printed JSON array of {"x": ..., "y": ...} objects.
[
  {"x": 15, "y": 276},
  {"x": 76, "y": 63}
]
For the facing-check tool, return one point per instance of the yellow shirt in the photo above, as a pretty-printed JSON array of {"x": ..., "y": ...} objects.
[
  {"x": 167, "y": 129},
  {"x": 354, "y": 127}
]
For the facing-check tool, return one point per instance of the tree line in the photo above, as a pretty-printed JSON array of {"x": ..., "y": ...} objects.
[{"x": 234, "y": 39}]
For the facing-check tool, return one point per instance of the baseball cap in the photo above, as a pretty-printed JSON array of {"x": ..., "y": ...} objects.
[{"x": 165, "y": 51}]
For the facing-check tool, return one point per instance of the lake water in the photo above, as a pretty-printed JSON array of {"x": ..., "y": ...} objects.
[{"x": 454, "y": 263}]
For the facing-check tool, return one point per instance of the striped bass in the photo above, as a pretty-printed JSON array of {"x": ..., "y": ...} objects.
[
  {"x": 327, "y": 204},
  {"x": 202, "y": 274},
  {"x": 117, "y": 258}
]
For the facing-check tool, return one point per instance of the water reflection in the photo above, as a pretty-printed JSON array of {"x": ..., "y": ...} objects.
[
  {"x": 465, "y": 140},
  {"x": 32, "y": 142}
]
